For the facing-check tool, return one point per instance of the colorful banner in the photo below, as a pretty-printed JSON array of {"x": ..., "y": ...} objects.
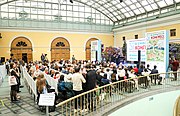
[
  {"x": 132, "y": 49},
  {"x": 96, "y": 47},
  {"x": 157, "y": 50}
]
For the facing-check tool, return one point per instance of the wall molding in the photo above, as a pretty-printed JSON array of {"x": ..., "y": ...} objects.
[{"x": 52, "y": 31}]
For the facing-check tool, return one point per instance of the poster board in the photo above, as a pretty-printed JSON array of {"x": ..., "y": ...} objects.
[
  {"x": 157, "y": 50},
  {"x": 132, "y": 49},
  {"x": 47, "y": 99},
  {"x": 96, "y": 47}
]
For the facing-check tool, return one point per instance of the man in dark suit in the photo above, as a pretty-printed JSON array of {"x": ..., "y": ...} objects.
[
  {"x": 155, "y": 77},
  {"x": 91, "y": 77},
  {"x": 91, "y": 82}
]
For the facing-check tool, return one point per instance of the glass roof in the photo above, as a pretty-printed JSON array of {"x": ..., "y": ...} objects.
[
  {"x": 116, "y": 10},
  {"x": 113, "y": 10}
]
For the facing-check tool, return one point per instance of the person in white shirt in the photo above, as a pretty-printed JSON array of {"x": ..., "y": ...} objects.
[
  {"x": 121, "y": 73},
  {"x": 109, "y": 73},
  {"x": 77, "y": 80},
  {"x": 147, "y": 79},
  {"x": 132, "y": 75}
]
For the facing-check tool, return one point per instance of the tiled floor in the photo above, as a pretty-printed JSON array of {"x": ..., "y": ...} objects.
[{"x": 25, "y": 107}]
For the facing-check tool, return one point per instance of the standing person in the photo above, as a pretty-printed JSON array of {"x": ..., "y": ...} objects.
[
  {"x": 7, "y": 66},
  {"x": 140, "y": 70},
  {"x": 17, "y": 68},
  {"x": 77, "y": 80},
  {"x": 42, "y": 57},
  {"x": 73, "y": 58},
  {"x": 14, "y": 88},
  {"x": 175, "y": 66},
  {"x": 91, "y": 83},
  {"x": 91, "y": 77}
]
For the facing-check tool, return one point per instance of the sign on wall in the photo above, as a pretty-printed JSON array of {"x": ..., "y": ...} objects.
[
  {"x": 132, "y": 49},
  {"x": 157, "y": 50}
]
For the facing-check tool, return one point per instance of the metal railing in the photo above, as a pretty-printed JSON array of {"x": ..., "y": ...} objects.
[
  {"x": 51, "y": 81},
  {"x": 97, "y": 100},
  {"x": 31, "y": 84},
  {"x": 3, "y": 73}
]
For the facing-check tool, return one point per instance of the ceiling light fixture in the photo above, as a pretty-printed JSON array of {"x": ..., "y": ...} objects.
[{"x": 71, "y": 1}]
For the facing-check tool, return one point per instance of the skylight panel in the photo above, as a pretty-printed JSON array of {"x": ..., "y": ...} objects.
[
  {"x": 123, "y": 10},
  {"x": 106, "y": 5},
  {"x": 138, "y": 5},
  {"x": 137, "y": 11},
  {"x": 114, "y": 19},
  {"x": 169, "y": 2},
  {"x": 154, "y": 6},
  {"x": 142, "y": 10},
  {"x": 114, "y": 2},
  {"x": 127, "y": 8},
  {"x": 3, "y": 1},
  {"x": 127, "y": 14},
  {"x": 148, "y": 8},
  {"x": 110, "y": 9},
  {"x": 118, "y": 16},
  {"x": 144, "y": 2},
  {"x": 115, "y": 13},
  {"x": 133, "y": 6},
  {"x": 177, "y": 0},
  {"x": 4, "y": 7},
  {"x": 161, "y": 3},
  {"x": 122, "y": 3},
  {"x": 81, "y": 8},
  {"x": 131, "y": 13},
  {"x": 128, "y": 2},
  {"x": 118, "y": 6},
  {"x": 75, "y": 8}
]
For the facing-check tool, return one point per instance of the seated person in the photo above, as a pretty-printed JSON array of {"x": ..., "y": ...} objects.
[
  {"x": 155, "y": 77},
  {"x": 65, "y": 89},
  {"x": 104, "y": 80}
]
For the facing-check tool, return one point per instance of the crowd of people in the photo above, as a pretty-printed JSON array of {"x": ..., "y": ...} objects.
[
  {"x": 77, "y": 77},
  {"x": 80, "y": 76}
]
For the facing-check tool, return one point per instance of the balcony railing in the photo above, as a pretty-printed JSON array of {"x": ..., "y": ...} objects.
[{"x": 96, "y": 101}]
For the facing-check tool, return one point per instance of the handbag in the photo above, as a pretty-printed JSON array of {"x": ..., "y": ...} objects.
[{"x": 12, "y": 80}]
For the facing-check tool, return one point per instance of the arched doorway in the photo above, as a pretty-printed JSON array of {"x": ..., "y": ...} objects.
[
  {"x": 88, "y": 48},
  {"x": 60, "y": 49},
  {"x": 21, "y": 48}
]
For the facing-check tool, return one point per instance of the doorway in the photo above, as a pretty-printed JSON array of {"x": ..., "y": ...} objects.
[
  {"x": 21, "y": 49},
  {"x": 24, "y": 57},
  {"x": 60, "y": 49}
]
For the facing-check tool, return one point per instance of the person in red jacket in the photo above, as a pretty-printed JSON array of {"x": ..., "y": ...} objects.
[
  {"x": 135, "y": 70},
  {"x": 175, "y": 66}
]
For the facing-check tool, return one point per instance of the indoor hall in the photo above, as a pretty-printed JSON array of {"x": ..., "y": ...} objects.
[{"x": 54, "y": 37}]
